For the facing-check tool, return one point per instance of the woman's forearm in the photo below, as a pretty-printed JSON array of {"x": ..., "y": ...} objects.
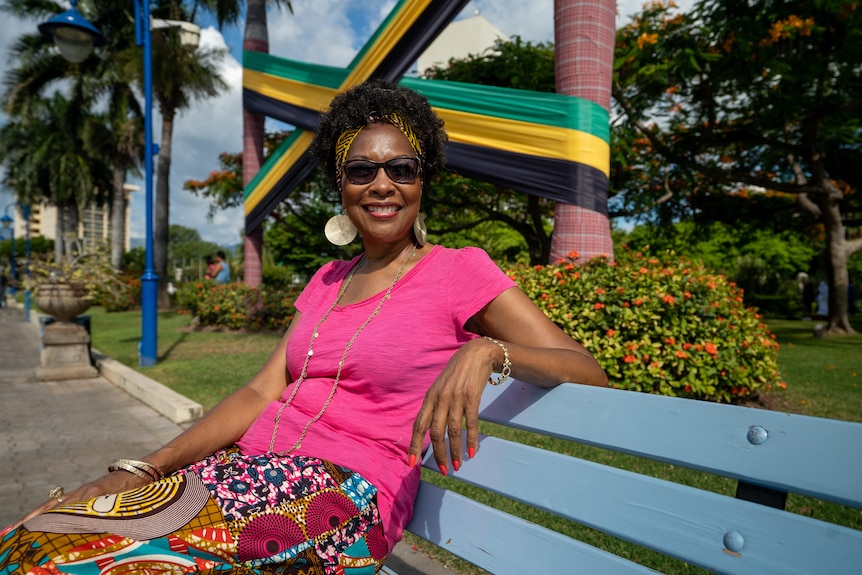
[{"x": 548, "y": 367}]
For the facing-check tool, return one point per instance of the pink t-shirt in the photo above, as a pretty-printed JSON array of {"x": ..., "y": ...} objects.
[{"x": 368, "y": 425}]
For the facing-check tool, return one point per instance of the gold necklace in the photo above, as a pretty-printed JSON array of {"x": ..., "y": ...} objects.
[{"x": 314, "y": 335}]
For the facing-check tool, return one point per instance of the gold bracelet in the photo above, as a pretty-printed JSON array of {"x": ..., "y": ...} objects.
[
  {"x": 506, "y": 370},
  {"x": 119, "y": 465},
  {"x": 148, "y": 470}
]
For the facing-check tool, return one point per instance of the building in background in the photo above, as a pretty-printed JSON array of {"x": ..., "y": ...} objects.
[
  {"x": 461, "y": 38},
  {"x": 94, "y": 221}
]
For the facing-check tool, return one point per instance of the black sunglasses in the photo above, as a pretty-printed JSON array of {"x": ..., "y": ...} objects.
[{"x": 399, "y": 170}]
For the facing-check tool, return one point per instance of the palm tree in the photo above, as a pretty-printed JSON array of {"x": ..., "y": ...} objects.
[
  {"x": 180, "y": 76},
  {"x": 48, "y": 155},
  {"x": 106, "y": 75}
]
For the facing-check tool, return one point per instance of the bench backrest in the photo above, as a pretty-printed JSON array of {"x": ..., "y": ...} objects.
[{"x": 765, "y": 450}]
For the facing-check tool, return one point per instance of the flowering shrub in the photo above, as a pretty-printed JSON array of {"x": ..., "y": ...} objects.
[
  {"x": 124, "y": 294},
  {"x": 236, "y": 305},
  {"x": 665, "y": 326}
]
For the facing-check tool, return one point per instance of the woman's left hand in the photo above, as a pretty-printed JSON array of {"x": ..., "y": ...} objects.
[{"x": 451, "y": 401}]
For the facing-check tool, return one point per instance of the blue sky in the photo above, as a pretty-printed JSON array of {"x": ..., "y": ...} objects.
[{"x": 319, "y": 31}]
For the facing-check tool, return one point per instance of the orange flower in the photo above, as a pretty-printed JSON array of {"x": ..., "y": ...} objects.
[
  {"x": 668, "y": 299},
  {"x": 681, "y": 354},
  {"x": 686, "y": 345},
  {"x": 600, "y": 291},
  {"x": 599, "y": 306},
  {"x": 611, "y": 332},
  {"x": 670, "y": 340},
  {"x": 645, "y": 39},
  {"x": 630, "y": 359}
]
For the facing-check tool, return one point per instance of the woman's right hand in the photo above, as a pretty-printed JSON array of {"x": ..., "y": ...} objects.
[{"x": 114, "y": 482}]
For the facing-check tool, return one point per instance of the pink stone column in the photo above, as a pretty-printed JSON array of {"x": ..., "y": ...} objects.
[
  {"x": 256, "y": 39},
  {"x": 584, "y": 35}
]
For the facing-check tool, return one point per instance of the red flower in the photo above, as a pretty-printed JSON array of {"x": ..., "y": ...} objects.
[
  {"x": 681, "y": 354},
  {"x": 600, "y": 291},
  {"x": 630, "y": 359},
  {"x": 686, "y": 345},
  {"x": 687, "y": 388},
  {"x": 668, "y": 299},
  {"x": 599, "y": 306},
  {"x": 711, "y": 349},
  {"x": 611, "y": 332},
  {"x": 670, "y": 341}
]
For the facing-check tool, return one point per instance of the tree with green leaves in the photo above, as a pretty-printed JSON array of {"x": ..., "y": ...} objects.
[
  {"x": 456, "y": 205},
  {"x": 186, "y": 243},
  {"x": 753, "y": 97}
]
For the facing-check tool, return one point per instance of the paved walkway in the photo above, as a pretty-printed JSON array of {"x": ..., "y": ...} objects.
[{"x": 67, "y": 432}]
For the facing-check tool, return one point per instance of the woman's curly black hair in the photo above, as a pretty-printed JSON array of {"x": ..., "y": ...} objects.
[{"x": 352, "y": 109}]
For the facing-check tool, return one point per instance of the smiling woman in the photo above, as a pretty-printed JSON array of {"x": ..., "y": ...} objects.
[{"x": 311, "y": 466}]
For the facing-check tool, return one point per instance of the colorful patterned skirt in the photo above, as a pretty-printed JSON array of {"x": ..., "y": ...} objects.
[{"x": 227, "y": 513}]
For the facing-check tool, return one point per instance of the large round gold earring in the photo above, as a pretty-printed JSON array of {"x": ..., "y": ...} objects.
[
  {"x": 339, "y": 230},
  {"x": 420, "y": 231}
]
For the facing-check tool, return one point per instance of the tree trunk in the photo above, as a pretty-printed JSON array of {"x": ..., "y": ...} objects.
[
  {"x": 540, "y": 250},
  {"x": 118, "y": 218},
  {"x": 584, "y": 36},
  {"x": 162, "y": 208},
  {"x": 59, "y": 232},
  {"x": 838, "y": 252},
  {"x": 256, "y": 39}
]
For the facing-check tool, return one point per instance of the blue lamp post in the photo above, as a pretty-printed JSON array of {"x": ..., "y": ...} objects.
[{"x": 71, "y": 25}]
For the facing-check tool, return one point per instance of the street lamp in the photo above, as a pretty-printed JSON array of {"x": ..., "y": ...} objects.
[
  {"x": 56, "y": 27},
  {"x": 73, "y": 34}
]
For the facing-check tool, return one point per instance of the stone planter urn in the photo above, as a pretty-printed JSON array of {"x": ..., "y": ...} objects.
[{"x": 65, "y": 344}]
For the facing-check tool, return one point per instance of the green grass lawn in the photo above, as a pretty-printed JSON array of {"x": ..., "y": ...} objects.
[{"x": 821, "y": 375}]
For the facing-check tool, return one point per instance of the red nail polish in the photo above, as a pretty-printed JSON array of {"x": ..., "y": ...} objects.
[
  {"x": 471, "y": 452},
  {"x": 444, "y": 471},
  {"x": 411, "y": 461},
  {"x": 457, "y": 465}
]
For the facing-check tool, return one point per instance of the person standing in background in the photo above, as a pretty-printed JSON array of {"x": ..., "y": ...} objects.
[{"x": 221, "y": 268}]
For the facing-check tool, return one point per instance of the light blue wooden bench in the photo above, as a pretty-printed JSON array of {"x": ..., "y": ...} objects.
[{"x": 769, "y": 453}]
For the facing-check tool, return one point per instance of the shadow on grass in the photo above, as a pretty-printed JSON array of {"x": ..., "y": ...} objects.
[{"x": 173, "y": 346}]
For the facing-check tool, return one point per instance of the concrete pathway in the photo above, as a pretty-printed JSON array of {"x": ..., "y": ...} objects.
[{"x": 67, "y": 432}]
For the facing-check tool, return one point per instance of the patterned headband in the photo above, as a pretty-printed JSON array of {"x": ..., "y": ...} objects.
[{"x": 345, "y": 140}]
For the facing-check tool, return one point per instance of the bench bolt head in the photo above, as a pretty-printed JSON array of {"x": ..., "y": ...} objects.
[
  {"x": 733, "y": 541},
  {"x": 757, "y": 435}
]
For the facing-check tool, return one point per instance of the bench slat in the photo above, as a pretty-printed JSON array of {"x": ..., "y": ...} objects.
[
  {"x": 801, "y": 454},
  {"x": 677, "y": 520},
  {"x": 502, "y": 543}
]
